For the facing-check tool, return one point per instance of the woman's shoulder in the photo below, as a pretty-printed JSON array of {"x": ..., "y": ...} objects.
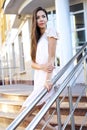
[{"x": 51, "y": 32}]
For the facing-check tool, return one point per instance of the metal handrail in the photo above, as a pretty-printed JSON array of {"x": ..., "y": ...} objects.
[
  {"x": 52, "y": 99},
  {"x": 9, "y": 68},
  {"x": 24, "y": 113},
  {"x": 75, "y": 106},
  {"x": 63, "y": 70}
]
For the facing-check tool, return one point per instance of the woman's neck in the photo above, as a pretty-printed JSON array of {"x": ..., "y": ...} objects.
[{"x": 42, "y": 30}]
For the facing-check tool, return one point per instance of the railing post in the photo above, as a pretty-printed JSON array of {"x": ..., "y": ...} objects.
[
  {"x": 10, "y": 75},
  {"x": 71, "y": 108},
  {"x": 3, "y": 78},
  {"x": 58, "y": 113},
  {"x": 83, "y": 121},
  {"x": 85, "y": 71}
]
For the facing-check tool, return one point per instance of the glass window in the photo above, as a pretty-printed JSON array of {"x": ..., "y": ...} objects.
[
  {"x": 54, "y": 11},
  {"x": 49, "y": 12},
  {"x": 78, "y": 24},
  {"x": 81, "y": 35},
  {"x": 79, "y": 20},
  {"x": 76, "y": 7}
]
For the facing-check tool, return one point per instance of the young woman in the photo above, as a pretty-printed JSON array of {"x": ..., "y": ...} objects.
[{"x": 43, "y": 47}]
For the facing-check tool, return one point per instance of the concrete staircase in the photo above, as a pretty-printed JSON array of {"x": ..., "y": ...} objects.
[{"x": 12, "y": 98}]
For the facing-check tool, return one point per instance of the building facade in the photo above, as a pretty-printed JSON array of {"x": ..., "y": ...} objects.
[{"x": 68, "y": 17}]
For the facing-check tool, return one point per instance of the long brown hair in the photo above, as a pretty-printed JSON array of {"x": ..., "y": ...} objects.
[{"x": 35, "y": 33}]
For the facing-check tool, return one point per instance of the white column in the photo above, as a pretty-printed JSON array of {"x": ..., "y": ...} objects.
[{"x": 64, "y": 30}]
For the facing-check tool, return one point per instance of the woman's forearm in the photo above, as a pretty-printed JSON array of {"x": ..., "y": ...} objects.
[
  {"x": 51, "y": 61},
  {"x": 48, "y": 84},
  {"x": 36, "y": 66},
  {"x": 51, "y": 52},
  {"x": 48, "y": 67}
]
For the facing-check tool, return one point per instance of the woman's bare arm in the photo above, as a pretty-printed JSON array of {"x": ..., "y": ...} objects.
[
  {"x": 51, "y": 58},
  {"x": 34, "y": 65},
  {"x": 48, "y": 67}
]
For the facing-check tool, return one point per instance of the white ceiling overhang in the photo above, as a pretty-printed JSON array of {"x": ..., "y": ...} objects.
[
  {"x": 29, "y": 5},
  {"x": 12, "y": 6},
  {"x": 23, "y": 7}
]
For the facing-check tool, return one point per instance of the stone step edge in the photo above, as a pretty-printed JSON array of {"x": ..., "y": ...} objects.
[
  {"x": 81, "y": 105},
  {"x": 6, "y": 101},
  {"x": 78, "y": 119}
]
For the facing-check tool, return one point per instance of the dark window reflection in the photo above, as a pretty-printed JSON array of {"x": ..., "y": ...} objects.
[
  {"x": 81, "y": 35},
  {"x": 54, "y": 11},
  {"x": 76, "y": 7},
  {"x": 79, "y": 19},
  {"x": 49, "y": 12},
  {"x": 81, "y": 43}
]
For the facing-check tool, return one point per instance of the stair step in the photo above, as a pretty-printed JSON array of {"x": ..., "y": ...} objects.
[
  {"x": 16, "y": 92},
  {"x": 74, "y": 98},
  {"x": 7, "y": 105},
  {"x": 15, "y": 97},
  {"x": 10, "y": 101},
  {"x": 14, "y": 106},
  {"x": 4, "y": 118},
  {"x": 66, "y": 105},
  {"x": 4, "y": 128},
  {"x": 82, "y": 105},
  {"x": 78, "y": 121},
  {"x": 7, "y": 118},
  {"x": 80, "y": 110},
  {"x": 12, "y": 91},
  {"x": 12, "y": 98},
  {"x": 15, "y": 87}
]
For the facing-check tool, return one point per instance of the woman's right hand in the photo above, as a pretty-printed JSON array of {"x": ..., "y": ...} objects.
[
  {"x": 48, "y": 84},
  {"x": 48, "y": 67}
]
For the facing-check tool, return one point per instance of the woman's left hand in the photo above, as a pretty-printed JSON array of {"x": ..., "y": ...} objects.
[{"x": 48, "y": 67}]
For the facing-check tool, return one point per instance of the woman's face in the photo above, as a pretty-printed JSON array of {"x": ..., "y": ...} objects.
[{"x": 41, "y": 19}]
